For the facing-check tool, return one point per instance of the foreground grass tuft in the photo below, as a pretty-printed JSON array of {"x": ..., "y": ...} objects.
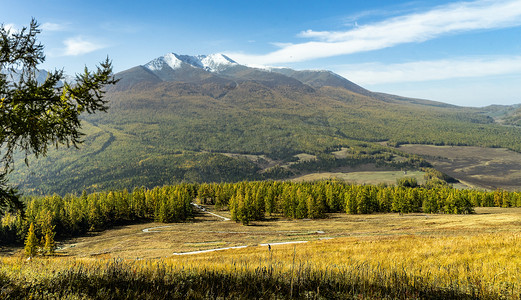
[{"x": 122, "y": 280}]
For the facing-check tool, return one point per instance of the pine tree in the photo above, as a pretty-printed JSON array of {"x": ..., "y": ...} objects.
[
  {"x": 498, "y": 198},
  {"x": 364, "y": 202},
  {"x": 350, "y": 202},
  {"x": 505, "y": 199},
  {"x": 34, "y": 116},
  {"x": 259, "y": 204},
  {"x": 330, "y": 198},
  {"x": 50, "y": 244},
  {"x": 301, "y": 209},
  {"x": 241, "y": 213},
  {"x": 384, "y": 200},
  {"x": 270, "y": 200},
  {"x": 31, "y": 242}
]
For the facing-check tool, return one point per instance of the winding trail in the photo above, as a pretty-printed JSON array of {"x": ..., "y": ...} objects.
[
  {"x": 208, "y": 250},
  {"x": 211, "y": 213},
  {"x": 237, "y": 247},
  {"x": 153, "y": 229}
]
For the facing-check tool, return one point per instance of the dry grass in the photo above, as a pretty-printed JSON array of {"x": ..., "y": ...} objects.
[
  {"x": 208, "y": 232},
  {"x": 473, "y": 254},
  {"x": 364, "y": 177}
]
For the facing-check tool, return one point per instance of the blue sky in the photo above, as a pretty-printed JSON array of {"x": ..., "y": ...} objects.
[{"x": 461, "y": 52}]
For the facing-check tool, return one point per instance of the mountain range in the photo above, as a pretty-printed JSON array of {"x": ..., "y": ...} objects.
[{"x": 181, "y": 118}]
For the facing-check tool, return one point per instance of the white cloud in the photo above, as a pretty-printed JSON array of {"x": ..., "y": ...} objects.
[
  {"x": 377, "y": 73},
  {"x": 416, "y": 27},
  {"x": 10, "y": 27},
  {"x": 52, "y": 27},
  {"x": 78, "y": 46}
]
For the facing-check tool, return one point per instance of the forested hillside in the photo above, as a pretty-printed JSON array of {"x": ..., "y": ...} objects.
[{"x": 169, "y": 125}]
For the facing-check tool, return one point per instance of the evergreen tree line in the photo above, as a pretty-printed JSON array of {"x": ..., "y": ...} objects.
[
  {"x": 74, "y": 215},
  {"x": 249, "y": 201}
]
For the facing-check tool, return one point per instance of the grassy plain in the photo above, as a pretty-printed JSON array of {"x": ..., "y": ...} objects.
[
  {"x": 364, "y": 177},
  {"x": 207, "y": 232},
  {"x": 487, "y": 168},
  {"x": 364, "y": 256}
]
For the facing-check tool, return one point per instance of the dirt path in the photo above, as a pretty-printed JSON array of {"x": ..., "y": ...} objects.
[
  {"x": 211, "y": 213},
  {"x": 151, "y": 229},
  {"x": 238, "y": 247}
]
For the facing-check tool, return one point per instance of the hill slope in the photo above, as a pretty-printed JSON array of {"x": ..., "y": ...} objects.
[{"x": 178, "y": 117}]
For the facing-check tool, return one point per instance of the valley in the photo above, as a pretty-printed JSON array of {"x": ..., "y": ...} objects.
[
  {"x": 318, "y": 150},
  {"x": 325, "y": 172}
]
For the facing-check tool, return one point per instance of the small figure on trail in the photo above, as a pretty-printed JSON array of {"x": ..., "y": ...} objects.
[{"x": 269, "y": 247}]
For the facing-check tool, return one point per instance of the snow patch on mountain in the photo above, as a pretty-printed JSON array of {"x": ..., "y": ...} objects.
[
  {"x": 212, "y": 63},
  {"x": 169, "y": 59},
  {"x": 268, "y": 68},
  {"x": 278, "y": 69},
  {"x": 216, "y": 62},
  {"x": 172, "y": 61}
]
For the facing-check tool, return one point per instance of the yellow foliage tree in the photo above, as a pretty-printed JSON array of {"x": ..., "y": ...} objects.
[{"x": 31, "y": 242}]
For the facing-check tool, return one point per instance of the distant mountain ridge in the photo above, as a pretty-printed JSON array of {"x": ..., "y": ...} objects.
[
  {"x": 182, "y": 118},
  {"x": 210, "y": 63},
  {"x": 173, "y": 67}
]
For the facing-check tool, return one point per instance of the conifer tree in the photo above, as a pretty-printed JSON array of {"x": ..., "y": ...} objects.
[
  {"x": 35, "y": 115},
  {"x": 49, "y": 244},
  {"x": 233, "y": 207},
  {"x": 363, "y": 200},
  {"x": 301, "y": 209},
  {"x": 31, "y": 242},
  {"x": 270, "y": 200},
  {"x": 351, "y": 206},
  {"x": 498, "y": 198}
]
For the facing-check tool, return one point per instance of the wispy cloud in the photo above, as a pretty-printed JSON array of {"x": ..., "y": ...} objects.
[
  {"x": 78, "y": 46},
  {"x": 464, "y": 67},
  {"x": 416, "y": 27},
  {"x": 10, "y": 27},
  {"x": 52, "y": 27},
  {"x": 45, "y": 27}
]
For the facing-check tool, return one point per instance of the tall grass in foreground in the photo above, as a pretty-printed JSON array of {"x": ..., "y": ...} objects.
[
  {"x": 124, "y": 280},
  {"x": 459, "y": 267}
]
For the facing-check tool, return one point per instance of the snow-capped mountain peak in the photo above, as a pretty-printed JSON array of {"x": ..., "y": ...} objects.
[
  {"x": 216, "y": 62},
  {"x": 169, "y": 59},
  {"x": 212, "y": 63}
]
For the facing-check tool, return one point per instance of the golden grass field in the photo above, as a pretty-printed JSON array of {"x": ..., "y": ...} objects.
[
  {"x": 208, "y": 232},
  {"x": 480, "y": 252}
]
